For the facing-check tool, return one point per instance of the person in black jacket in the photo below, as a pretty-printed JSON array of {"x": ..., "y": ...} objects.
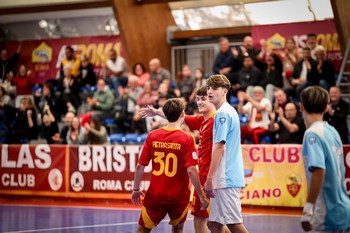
[
  {"x": 272, "y": 75},
  {"x": 8, "y": 64},
  {"x": 304, "y": 74},
  {"x": 224, "y": 62},
  {"x": 87, "y": 75},
  {"x": 337, "y": 112},
  {"x": 325, "y": 69},
  {"x": 248, "y": 77}
]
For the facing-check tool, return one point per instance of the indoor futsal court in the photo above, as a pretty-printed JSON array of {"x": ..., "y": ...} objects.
[{"x": 122, "y": 218}]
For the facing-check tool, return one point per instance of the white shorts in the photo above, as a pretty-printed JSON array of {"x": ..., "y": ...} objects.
[{"x": 226, "y": 208}]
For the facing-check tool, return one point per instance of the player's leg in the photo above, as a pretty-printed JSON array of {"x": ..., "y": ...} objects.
[
  {"x": 200, "y": 224},
  {"x": 237, "y": 228},
  {"x": 216, "y": 227},
  {"x": 153, "y": 211},
  {"x": 177, "y": 211},
  {"x": 178, "y": 228},
  {"x": 225, "y": 211},
  {"x": 142, "y": 229}
]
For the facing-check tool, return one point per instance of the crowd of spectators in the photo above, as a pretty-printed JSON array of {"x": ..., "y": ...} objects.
[
  {"x": 266, "y": 84},
  {"x": 73, "y": 108}
]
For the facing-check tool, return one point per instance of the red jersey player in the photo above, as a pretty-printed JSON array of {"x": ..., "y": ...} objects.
[
  {"x": 174, "y": 159},
  {"x": 204, "y": 124}
]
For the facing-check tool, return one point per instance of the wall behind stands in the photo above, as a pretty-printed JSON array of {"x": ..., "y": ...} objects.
[
  {"x": 274, "y": 174},
  {"x": 44, "y": 57}
]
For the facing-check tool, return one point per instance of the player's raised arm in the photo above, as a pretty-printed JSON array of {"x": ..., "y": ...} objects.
[{"x": 150, "y": 112}]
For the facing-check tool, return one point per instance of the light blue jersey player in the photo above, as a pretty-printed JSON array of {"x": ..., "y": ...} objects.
[
  {"x": 226, "y": 173},
  {"x": 226, "y": 129},
  {"x": 328, "y": 205}
]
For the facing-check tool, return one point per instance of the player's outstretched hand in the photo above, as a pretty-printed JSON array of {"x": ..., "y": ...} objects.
[
  {"x": 136, "y": 197},
  {"x": 209, "y": 188},
  {"x": 147, "y": 112}
]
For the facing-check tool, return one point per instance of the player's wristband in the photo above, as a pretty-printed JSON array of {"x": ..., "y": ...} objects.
[
  {"x": 308, "y": 212},
  {"x": 135, "y": 189}
]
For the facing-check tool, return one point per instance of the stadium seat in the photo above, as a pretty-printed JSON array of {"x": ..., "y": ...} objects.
[
  {"x": 233, "y": 100},
  {"x": 243, "y": 119},
  {"x": 117, "y": 138}
]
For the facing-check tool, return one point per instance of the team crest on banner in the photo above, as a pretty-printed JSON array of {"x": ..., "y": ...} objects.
[
  {"x": 42, "y": 53},
  {"x": 293, "y": 184}
]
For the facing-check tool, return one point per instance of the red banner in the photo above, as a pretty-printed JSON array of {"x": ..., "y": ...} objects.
[
  {"x": 33, "y": 170},
  {"x": 104, "y": 171},
  {"x": 44, "y": 57},
  {"x": 274, "y": 174},
  {"x": 326, "y": 32}
]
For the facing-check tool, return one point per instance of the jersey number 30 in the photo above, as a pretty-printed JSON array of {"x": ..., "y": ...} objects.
[{"x": 164, "y": 165}]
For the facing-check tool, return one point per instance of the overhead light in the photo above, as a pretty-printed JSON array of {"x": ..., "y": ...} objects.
[
  {"x": 108, "y": 27},
  {"x": 43, "y": 23}
]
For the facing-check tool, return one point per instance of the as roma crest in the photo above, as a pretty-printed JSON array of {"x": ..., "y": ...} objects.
[{"x": 293, "y": 184}]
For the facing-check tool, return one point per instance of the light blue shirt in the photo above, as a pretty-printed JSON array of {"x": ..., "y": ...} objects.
[
  {"x": 322, "y": 148},
  {"x": 230, "y": 173}
]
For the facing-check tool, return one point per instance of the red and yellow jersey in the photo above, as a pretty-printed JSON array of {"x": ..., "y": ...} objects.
[
  {"x": 205, "y": 128},
  {"x": 171, "y": 152}
]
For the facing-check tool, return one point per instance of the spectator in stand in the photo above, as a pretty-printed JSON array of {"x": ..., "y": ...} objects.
[
  {"x": 76, "y": 132},
  {"x": 304, "y": 74},
  {"x": 117, "y": 71},
  {"x": 247, "y": 49},
  {"x": 290, "y": 57},
  {"x": 147, "y": 98},
  {"x": 49, "y": 128},
  {"x": 248, "y": 77},
  {"x": 23, "y": 83},
  {"x": 3, "y": 125},
  {"x": 225, "y": 63},
  {"x": 140, "y": 71},
  {"x": 26, "y": 125},
  {"x": 64, "y": 131},
  {"x": 96, "y": 133},
  {"x": 325, "y": 69},
  {"x": 128, "y": 104},
  {"x": 5, "y": 99},
  {"x": 72, "y": 61},
  {"x": 271, "y": 78},
  {"x": 199, "y": 78},
  {"x": 88, "y": 77},
  {"x": 101, "y": 104},
  {"x": 258, "y": 109},
  {"x": 158, "y": 74},
  {"x": 280, "y": 101},
  {"x": 164, "y": 89},
  {"x": 184, "y": 83},
  {"x": 8, "y": 64},
  {"x": 311, "y": 43},
  {"x": 7, "y": 107},
  {"x": 70, "y": 88},
  {"x": 199, "y": 81},
  {"x": 47, "y": 96},
  {"x": 290, "y": 126},
  {"x": 157, "y": 122},
  {"x": 337, "y": 112}
]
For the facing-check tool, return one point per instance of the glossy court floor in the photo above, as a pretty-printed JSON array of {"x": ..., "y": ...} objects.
[{"x": 20, "y": 216}]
